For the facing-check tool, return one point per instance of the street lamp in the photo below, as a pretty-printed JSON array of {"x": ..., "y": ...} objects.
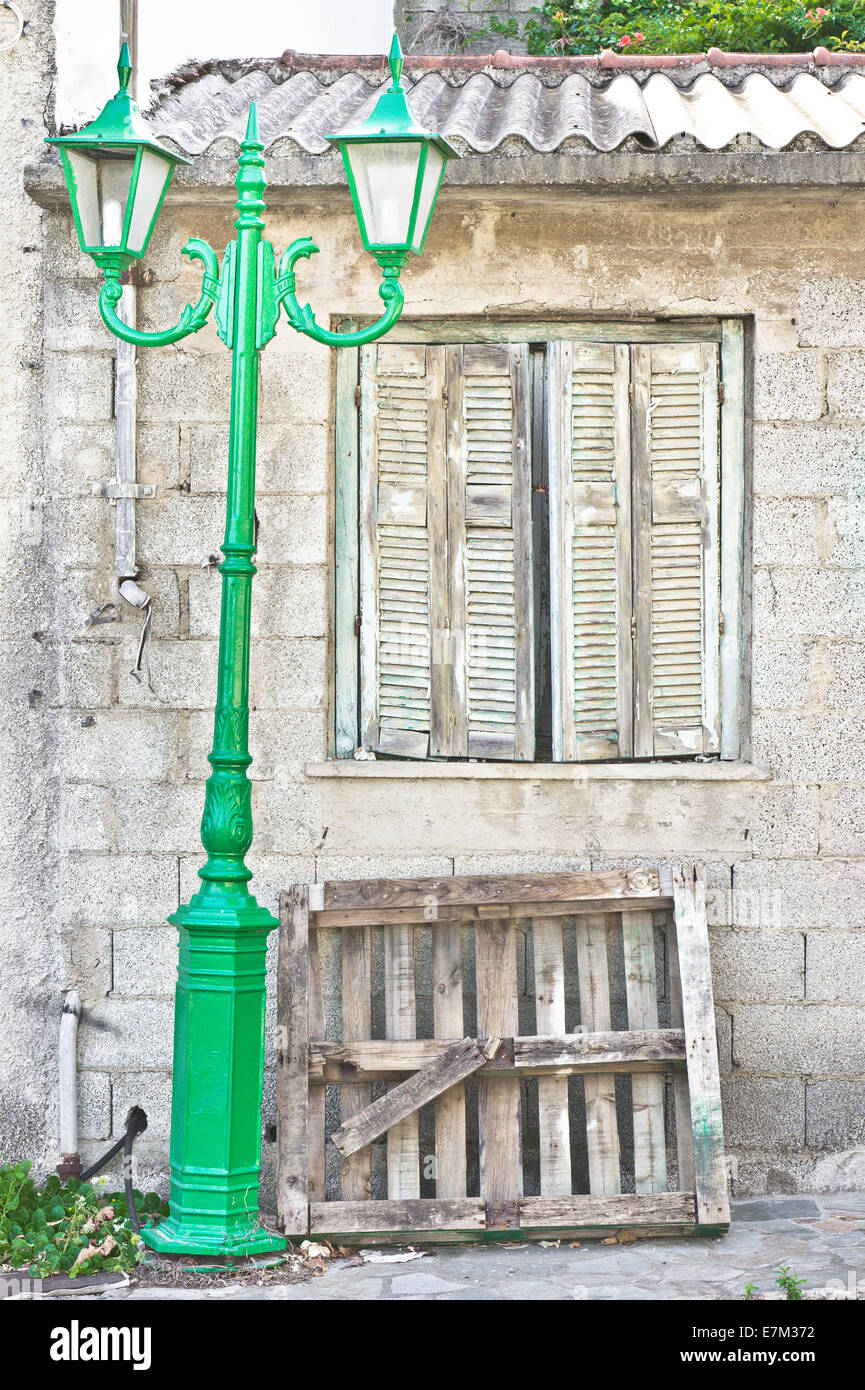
[{"x": 117, "y": 175}]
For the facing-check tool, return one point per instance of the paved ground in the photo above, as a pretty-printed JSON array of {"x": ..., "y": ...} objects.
[{"x": 821, "y": 1239}]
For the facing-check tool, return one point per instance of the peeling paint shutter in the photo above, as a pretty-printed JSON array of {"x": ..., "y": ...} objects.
[
  {"x": 402, "y": 446},
  {"x": 590, "y": 541},
  {"x": 676, "y": 566},
  {"x": 490, "y": 552}
]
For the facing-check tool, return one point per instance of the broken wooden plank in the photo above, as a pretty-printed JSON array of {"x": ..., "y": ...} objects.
[
  {"x": 637, "y": 1050},
  {"x": 457, "y": 1062},
  {"x": 460, "y": 890},
  {"x": 498, "y": 1097},
  {"x": 650, "y": 1152},
  {"x": 356, "y": 1182},
  {"x": 612, "y": 1209},
  {"x": 450, "y": 1107},
  {"x": 602, "y": 1128},
  {"x": 403, "y": 1151},
  {"x": 475, "y": 912},
  {"x": 681, "y": 1097},
  {"x": 292, "y": 1083},
  {"x": 710, "y": 1169},
  {"x": 316, "y": 1100},
  {"x": 553, "y": 1127},
  {"x": 421, "y": 1214}
]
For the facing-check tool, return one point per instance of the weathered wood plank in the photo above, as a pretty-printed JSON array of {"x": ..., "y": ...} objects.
[
  {"x": 458, "y": 1061},
  {"x": 292, "y": 1084},
  {"x": 732, "y": 535},
  {"x": 316, "y": 1101},
  {"x": 524, "y": 733},
  {"x": 464, "y": 889},
  {"x": 456, "y": 572},
  {"x": 681, "y": 1097},
  {"x": 650, "y": 1154},
  {"x": 614, "y": 1209},
  {"x": 493, "y": 330},
  {"x": 637, "y": 1050},
  {"x": 498, "y": 1097},
  {"x": 347, "y": 606},
  {"x": 602, "y": 1129},
  {"x": 356, "y": 1027},
  {"x": 713, "y": 1207},
  {"x": 554, "y": 1131},
  {"x": 423, "y": 1213},
  {"x": 450, "y": 1108},
  {"x": 641, "y": 494},
  {"x": 403, "y": 1153},
  {"x": 474, "y": 912},
  {"x": 436, "y": 498}
]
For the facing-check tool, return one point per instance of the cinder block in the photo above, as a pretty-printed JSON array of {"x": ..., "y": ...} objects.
[
  {"x": 785, "y": 531},
  {"x": 287, "y": 601},
  {"x": 847, "y": 686},
  {"x": 789, "y": 386},
  {"x": 795, "y": 603},
  {"x": 785, "y": 822},
  {"x": 79, "y": 456},
  {"x": 128, "y": 1034},
  {"x": 82, "y": 533},
  {"x": 842, "y": 821},
  {"x": 72, "y": 319},
  {"x": 799, "y": 894},
  {"x": 724, "y": 1033},
  {"x": 832, "y": 312},
  {"x": 835, "y": 1114},
  {"x": 183, "y": 387},
  {"x": 293, "y": 530},
  {"x": 800, "y": 1039},
  {"x": 836, "y": 967},
  {"x": 289, "y": 673},
  {"x": 79, "y": 386},
  {"x": 86, "y": 676},
  {"x": 520, "y": 864},
  {"x": 158, "y": 819},
  {"x": 757, "y": 965},
  {"x": 151, "y": 1090},
  {"x": 780, "y": 674},
  {"x": 280, "y": 743},
  {"x": 290, "y": 458},
  {"x": 85, "y": 820},
  {"x": 295, "y": 384},
  {"x": 843, "y": 539},
  {"x": 810, "y": 748},
  {"x": 120, "y": 746},
  {"x": 287, "y": 818},
  {"x": 763, "y": 1111},
  {"x": 86, "y": 962},
  {"x": 158, "y": 455},
  {"x": 145, "y": 961},
  {"x": 120, "y": 890},
  {"x": 94, "y": 1105},
  {"x": 845, "y": 385},
  {"x": 180, "y": 530},
  {"x": 182, "y": 674},
  {"x": 808, "y": 459},
  {"x": 381, "y": 866}
]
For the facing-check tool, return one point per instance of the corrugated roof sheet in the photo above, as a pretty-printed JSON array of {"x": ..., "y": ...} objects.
[{"x": 544, "y": 108}]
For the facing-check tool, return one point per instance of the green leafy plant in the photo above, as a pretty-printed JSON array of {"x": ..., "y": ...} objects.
[
  {"x": 686, "y": 26},
  {"x": 74, "y": 1229},
  {"x": 751, "y": 1291},
  {"x": 789, "y": 1283}
]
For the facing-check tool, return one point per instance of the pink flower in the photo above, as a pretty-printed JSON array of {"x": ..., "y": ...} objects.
[
  {"x": 639, "y": 38},
  {"x": 821, "y": 13},
  {"x": 624, "y": 41}
]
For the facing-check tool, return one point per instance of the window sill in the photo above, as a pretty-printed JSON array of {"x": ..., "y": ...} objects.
[{"x": 544, "y": 772}]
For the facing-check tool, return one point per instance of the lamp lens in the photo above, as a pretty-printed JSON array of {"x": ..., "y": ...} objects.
[
  {"x": 385, "y": 174},
  {"x": 153, "y": 174}
]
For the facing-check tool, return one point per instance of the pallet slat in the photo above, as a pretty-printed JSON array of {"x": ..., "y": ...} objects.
[
  {"x": 602, "y": 1127},
  {"x": 498, "y": 1096},
  {"x": 650, "y": 1152},
  {"x": 553, "y": 1126},
  {"x": 403, "y": 1152},
  {"x": 356, "y": 1181},
  {"x": 460, "y": 890},
  {"x": 292, "y": 1081},
  {"x": 450, "y": 1108}
]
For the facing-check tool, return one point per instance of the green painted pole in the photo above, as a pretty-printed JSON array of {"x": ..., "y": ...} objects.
[{"x": 219, "y": 1008}]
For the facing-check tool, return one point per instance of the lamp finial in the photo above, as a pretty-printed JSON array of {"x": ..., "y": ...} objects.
[
  {"x": 395, "y": 60},
  {"x": 124, "y": 67}
]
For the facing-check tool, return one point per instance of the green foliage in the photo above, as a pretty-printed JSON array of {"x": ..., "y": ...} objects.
[
  {"x": 44, "y": 1229},
  {"x": 751, "y": 1291},
  {"x": 689, "y": 26},
  {"x": 788, "y": 1282}
]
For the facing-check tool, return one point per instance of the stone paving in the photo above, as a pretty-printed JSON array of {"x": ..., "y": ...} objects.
[{"x": 820, "y": 1238}]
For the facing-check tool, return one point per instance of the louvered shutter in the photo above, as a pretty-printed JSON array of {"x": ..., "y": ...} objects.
[
  {"x": 676, "y": 567},
  {"x": 490, "y": 544},
  {"x": 402, "y": 437},
  {"x": 590, "y": 550}
]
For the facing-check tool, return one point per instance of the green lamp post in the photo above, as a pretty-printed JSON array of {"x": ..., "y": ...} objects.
[{"x": 117, "y": 175}]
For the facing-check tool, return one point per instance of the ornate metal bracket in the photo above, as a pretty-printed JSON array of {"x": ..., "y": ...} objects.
[
  {"x": 303, "y": 319},
  {"x": 190, "y": 320}
]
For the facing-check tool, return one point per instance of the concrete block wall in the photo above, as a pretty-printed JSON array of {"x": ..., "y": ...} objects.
[
  {"x": 126, "y": 765},
  {"x": 440, "y": 26}
]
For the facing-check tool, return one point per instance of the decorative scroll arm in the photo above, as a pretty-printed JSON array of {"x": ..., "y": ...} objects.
[
  {"x": 303, "y": 319},
  {"x": 190, "y": 320}
]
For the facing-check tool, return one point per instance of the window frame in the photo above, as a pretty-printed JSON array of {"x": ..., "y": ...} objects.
[{"x": 728, "y": 333}]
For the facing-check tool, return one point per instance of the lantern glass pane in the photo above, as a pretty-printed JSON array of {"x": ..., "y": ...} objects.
[
  {"x": 385, "y": 173},
  {"x": 115, "y": 176},
  {"x": 153, "y": 174},
  {"x": 85, "y": 196},
  {"x": 429, "y": 187}
]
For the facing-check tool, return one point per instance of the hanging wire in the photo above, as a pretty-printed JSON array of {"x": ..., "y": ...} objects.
[{"x": 19, "y": 19}]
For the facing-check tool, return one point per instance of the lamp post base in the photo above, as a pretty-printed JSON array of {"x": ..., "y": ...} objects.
[{"x": 218, "y": 1074}]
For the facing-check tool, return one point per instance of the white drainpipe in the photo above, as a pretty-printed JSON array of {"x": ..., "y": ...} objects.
[{"x": 70, "y": 1163}]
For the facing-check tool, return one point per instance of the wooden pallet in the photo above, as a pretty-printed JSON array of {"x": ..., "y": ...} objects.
[{"x": 672, "y": 1088}]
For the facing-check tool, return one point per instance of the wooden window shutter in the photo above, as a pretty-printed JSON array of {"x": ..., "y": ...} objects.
[
  {"x": 676, "y": 565},
  {"x": 590, "y": 545},
  {"x": 446, "y": 556},
  {"x": 490, "y": 554},
  {"x": 402, "y": 440}
]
